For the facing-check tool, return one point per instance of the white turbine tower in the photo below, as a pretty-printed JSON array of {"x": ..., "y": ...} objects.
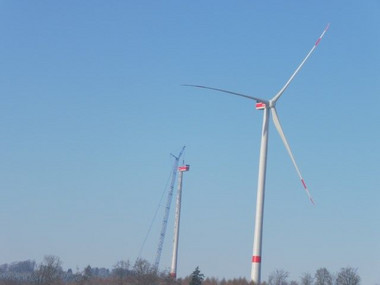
[
  {"x": 267, "y": 105},
  {"x": 173, "y": 269}
]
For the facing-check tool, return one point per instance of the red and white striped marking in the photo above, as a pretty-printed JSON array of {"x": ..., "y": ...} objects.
[
  {"x": 327, "y": 27},
  {"x": 303, "y": 183},
  {"x": 307, "y": 191}
]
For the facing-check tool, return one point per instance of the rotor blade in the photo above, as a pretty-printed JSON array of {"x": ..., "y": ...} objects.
[
  {"x": 226, "y": 91},
  {"x": 282, "y": 135},
  {"x": 275, "y": 98}
]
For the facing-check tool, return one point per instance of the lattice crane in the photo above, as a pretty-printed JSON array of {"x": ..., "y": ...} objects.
[{"x": 167, "y": 209}]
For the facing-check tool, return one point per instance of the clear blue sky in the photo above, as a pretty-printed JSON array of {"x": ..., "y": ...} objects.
[{"x": 91, "y": 107}]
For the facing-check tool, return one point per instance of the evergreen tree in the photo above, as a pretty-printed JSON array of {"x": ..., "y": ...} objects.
[{"x": 196, "y": 277}]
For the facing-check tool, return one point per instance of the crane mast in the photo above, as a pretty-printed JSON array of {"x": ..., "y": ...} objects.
[{"x": 167, "y": 209}]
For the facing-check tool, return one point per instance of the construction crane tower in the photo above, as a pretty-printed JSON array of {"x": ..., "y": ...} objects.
[{"x": 167, "y": 209}]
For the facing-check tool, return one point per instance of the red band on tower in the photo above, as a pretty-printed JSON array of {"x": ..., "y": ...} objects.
[{"x": 256, "y": 259}]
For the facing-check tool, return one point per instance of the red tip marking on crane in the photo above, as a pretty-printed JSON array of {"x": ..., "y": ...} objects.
[
  {"x": 303, "y": 183},
  {"x": 317, "y": 42},
  {"x": 256, "y": 259}
]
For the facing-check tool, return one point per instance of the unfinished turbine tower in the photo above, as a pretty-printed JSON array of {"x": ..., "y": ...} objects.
[
  {"x": 173, "y": 269},
  {"x": 267, "y": 106}
]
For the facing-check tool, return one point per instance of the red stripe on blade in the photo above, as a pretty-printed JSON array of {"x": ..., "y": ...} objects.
[{"x": 303, "y": 183}]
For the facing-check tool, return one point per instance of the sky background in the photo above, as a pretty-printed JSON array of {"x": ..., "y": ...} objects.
[{"x": 92, "y": 106}]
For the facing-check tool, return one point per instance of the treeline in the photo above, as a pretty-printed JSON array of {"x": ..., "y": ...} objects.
[{"x": 50, "y": 272}]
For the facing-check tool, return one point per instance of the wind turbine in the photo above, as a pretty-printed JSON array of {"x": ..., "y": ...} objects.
[{"x": 266, "y": 105}]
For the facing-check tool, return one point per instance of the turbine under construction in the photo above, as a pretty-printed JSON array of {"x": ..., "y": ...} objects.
[{"x": 173, "y": 269}]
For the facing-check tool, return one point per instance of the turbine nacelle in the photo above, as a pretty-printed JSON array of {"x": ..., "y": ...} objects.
[{"x": 260, "y": 105}]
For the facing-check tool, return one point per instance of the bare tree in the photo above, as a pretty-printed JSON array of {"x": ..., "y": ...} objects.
[
  {"x": 121, "y": 271},
  {"x": 348, "y": 276},
  {"x": 278, "y": 277},
  {"x": 306, "y": 279},
  {"x": 166, "y": 279},
  {"x": 26, "y": 266},
  {"x": 323, "y": 277},
  {"x": 235, "y": 281},
  {"x": 49, "y": 272},
  {"x": 144, "y": 273}
]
